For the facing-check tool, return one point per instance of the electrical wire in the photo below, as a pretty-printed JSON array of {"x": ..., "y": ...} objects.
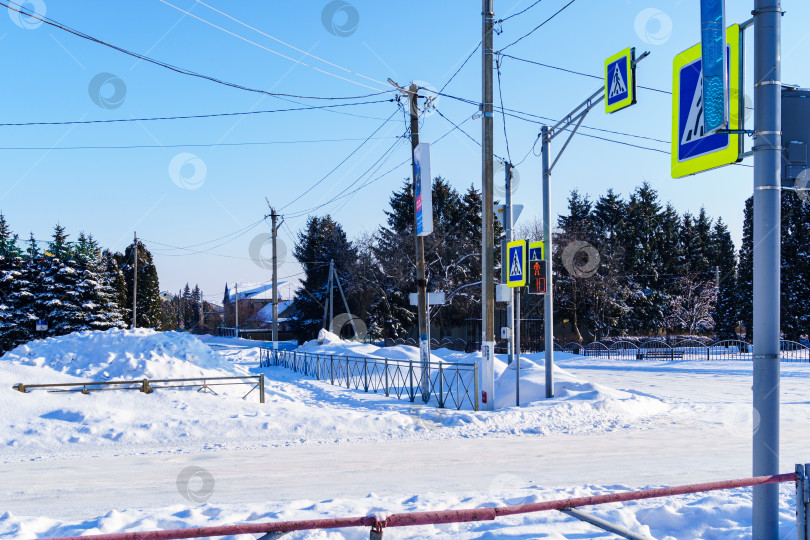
[
  {"x": 590, "y": 76},
  {"x": 267, "y": 48},
  {"x": 464, "y": 63},
  {"x": 327, "y": 175},
  {"x": 47, "y": 20},
  {"x": 190, "y": 145},
  {"x": 521, "y": 12},
  {"x": 381, "y": 160},
  {"x": 288, "y": 45},
  {"x": 192, "y": 116},
  {"x": 500, "y": 95},
  {"x": 539, "y": 26}
]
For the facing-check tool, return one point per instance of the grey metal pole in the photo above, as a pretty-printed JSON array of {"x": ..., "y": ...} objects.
[
  {"x": 767, "y": 244},
  {"x": 236, "y": 303},
  {"x": 135, "y": 283},
  {"x": 517, "y": 347},
  {"x": 487, "y": 214},
  {"x": 331, "y": 294},
  {"x": 421, "y": 281},
  {"x": 507, "y": 223},
  {"x": 548, "y": 300}
]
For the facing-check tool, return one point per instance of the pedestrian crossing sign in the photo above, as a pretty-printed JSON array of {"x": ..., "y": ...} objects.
[
  {"x": 620, "y": 80},
  {"x": 516, "y": 263},
  {"x": 694, "y": 151},
  {"x": 536, "y": 251}
]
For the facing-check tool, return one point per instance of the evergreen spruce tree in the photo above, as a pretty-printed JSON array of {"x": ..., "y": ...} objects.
[
  {"x": 640, "y": 237},
  {"x": 15, "y": 297},
  {"x": 725, "y": 313},
  {"x": 149, "y": 304},
  {"x": 322, "y": 240},
  {"x": 745, "y": 283}
]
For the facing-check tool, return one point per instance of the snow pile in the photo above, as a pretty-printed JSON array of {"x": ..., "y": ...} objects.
[{"x": 123, "y": 354}]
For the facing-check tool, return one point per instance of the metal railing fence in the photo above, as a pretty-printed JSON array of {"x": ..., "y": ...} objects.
[
  {"x": 687, "y": 349},
  {"x": 147, "y": 386},
  {"x": 445, "y": 384}
]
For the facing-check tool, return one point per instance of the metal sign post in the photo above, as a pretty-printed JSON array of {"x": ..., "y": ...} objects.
[
  {"x": 574, "y": 118},
  {"x": 767, "y": 244}
]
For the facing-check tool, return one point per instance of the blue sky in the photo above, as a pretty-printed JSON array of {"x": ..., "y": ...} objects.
[{"x": 191, "y": 195}]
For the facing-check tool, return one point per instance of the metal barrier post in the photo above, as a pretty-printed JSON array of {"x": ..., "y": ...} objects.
[
  {"x": 410, "y": 373},
  {"x": 365, "y": 374},
  {"x": 261, "y": 388},
  {"x": 145, "y": 387},
  {"x": 709, "y": 353},
  {"x": 348, "y": 380},
  {"x": 332, "y": 368},
  {"x": 441, "y": 386},
  {"x": 802, "y": 500},
  {"x": 386, "y": 377},
  {"x": 475, "y": 376}
]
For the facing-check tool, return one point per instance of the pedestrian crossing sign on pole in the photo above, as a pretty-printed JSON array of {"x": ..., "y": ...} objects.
[
  {"x": 536, "y": 251},
  {"x": 694, "y": 151},
  {"x": 516, "y": 263},
  {"x": 620, "y": 80}
]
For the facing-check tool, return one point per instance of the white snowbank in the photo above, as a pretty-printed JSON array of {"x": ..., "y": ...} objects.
[{"x": 123, "y": 354}]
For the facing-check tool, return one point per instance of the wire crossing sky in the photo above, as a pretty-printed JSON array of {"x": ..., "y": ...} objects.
[{"x": 176, "y": 118}]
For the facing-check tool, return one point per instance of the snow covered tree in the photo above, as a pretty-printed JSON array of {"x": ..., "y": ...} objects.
[
  {"x": 149, "y": 304},
  {"x": 691, "y": 309}
]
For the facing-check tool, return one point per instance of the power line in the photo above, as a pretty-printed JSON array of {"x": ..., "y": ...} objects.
[
  {"x": 395, "y": 167},
  {"x": 381, "y": 160},
  {"x": 316, "y": 184},
  {"x": 183, "y": 71},
  {"x": 288, "y": 45},
  {"x": 521, "y": 12},
  {"x": 464, "y": 63},
  {"x": 192, "y": 116},
  {"x": 536, "y": 28},
  {"x": 190, "y": 145},
  {"x": 590, "y": 76},
  {"x": 267, "y": 48},
  {"x": 500, "y": 95}
]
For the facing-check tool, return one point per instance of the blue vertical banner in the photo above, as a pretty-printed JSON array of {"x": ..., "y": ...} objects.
[
  {"x": 715, "y": 71},
  {"x": 423, "y": 196}
]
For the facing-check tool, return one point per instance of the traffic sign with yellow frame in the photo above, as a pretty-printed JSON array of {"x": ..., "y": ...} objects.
[
  {"x": 516, "y": 263},
  {"x": 692, "y": 150},
  {"x": 620, "y": 80}
]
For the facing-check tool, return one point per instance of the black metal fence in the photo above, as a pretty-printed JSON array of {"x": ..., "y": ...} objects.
[
  {"x": 442, "y": 383},
  {"x": 686, "y": 349}
]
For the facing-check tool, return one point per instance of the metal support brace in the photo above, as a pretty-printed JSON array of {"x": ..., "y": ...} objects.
[
  {"x": 802, "y": 501},
  {"x": 602, "y": 524}
]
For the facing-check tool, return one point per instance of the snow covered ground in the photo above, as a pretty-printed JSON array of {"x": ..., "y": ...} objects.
[{"x": 123, "y": 460}]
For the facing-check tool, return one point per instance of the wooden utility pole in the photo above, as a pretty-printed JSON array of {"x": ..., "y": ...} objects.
[
  {"x": 275, "y": 225},
  {"x": 135, "y": 283},
  {"x": 487, "y": 215}
]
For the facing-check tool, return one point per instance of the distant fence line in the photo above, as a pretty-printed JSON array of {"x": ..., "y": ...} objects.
[
  {"x": 445, "y": 384},
  {"x": 687, "y": 349}
]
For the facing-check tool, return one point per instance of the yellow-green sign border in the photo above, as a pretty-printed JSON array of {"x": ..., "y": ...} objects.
[
  {"x": 509, "y": 246},
  {"x": 628, "y": 54},
  {"x": 731, "y": 153},
  {"x": 541, "y": 245}
]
